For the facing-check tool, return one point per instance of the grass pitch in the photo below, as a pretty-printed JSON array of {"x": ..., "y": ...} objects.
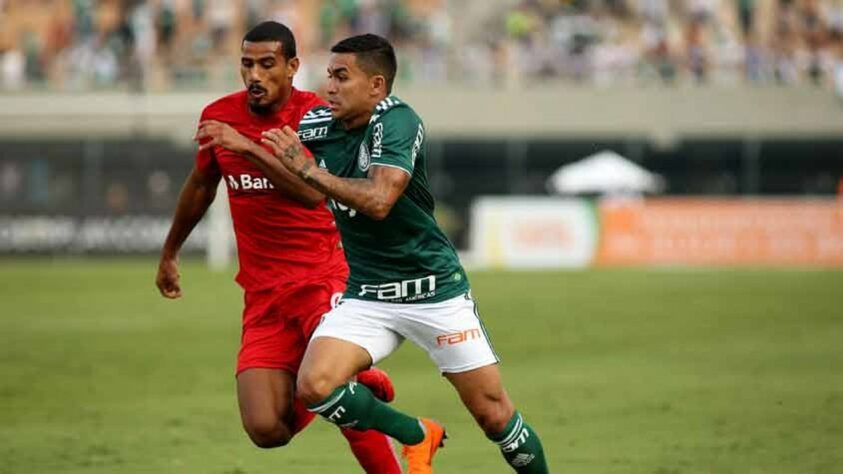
[{"x": 623, "y": 371}]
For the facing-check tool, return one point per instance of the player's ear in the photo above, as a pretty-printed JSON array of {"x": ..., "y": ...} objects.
[
  {"x": 292, "y": 67},
  {"x": 378, "y": 85}
]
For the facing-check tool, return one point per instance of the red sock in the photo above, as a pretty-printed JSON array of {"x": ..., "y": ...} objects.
[
  {"x": 373, "y": 451},
  {"x": 303, "y": 417}
]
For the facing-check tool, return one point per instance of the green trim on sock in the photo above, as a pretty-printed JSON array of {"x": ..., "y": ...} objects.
[
  {"x": 521, "y": 447},
  {"x": 332, "y": 399},
  {"x": 509, "y": 430}
]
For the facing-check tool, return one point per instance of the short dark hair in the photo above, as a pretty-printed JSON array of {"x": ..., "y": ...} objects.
[
  {"x": 273, "y": 31},
  {"x": 374, "y": 55}
]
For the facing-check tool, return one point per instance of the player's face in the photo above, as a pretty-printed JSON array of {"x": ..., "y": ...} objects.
[
  {"x": 267, "y": 74},
  {"x": 351, "y": 91}
]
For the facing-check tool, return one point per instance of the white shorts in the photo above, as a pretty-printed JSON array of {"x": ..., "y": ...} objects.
[{"x": 449, "y": 331}]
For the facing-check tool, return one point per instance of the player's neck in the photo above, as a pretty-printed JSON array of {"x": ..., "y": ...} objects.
[
  {"x": 362, "y": 119},
  {"x": 357, "y": 121}
]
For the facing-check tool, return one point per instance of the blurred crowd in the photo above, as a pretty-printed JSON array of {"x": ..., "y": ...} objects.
[
  {"x": 189, "y": 44},
  {"x": 721, "y": 41}
]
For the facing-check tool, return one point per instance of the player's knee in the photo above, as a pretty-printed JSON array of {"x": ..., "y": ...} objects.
[
  {"x": 494, "y": 419},
  {"x": 492, "y": 413},
  {"x": 313, "y": 387},
  {"x": 267, "y": 433}
]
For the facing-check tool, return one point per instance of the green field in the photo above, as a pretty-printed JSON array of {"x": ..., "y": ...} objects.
[{"x": 627, "y": 371}]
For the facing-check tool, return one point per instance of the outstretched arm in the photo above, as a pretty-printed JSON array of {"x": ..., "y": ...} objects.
[
  {"x": 372, "y": 196},
  {"x": 212, "y": 132},
  {"x": 196, "y": 196}
]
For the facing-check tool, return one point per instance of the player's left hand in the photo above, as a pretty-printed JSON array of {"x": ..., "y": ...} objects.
[
  {"x": 213, "y": 133},
  {"x": 286, "y": 145}
]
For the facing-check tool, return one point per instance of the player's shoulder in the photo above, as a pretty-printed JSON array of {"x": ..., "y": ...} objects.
[
  {"x": 224, "y": 105},
  {"x": 317, "y": 115},
  {"x": 305, "y": 100},
  {"x": 315, "y": 123},
  {"x": 393, "y": 110}
]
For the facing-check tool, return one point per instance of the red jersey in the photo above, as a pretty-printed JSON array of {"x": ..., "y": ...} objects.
[{"x": 279, "y": 240}]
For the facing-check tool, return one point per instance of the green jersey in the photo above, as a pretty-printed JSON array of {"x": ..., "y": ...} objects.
[{"x": 404, "y": 258}]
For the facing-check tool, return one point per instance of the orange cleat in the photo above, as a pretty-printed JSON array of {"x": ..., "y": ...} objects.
[
  {"x": 378, "y": 382},
  {"x": 420, "y": 456}
]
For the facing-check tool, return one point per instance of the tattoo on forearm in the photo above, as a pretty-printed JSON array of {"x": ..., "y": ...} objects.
[{"x": 304, "y": 173}]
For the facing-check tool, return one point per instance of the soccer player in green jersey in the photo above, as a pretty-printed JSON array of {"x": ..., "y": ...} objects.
[{"x": 406, "y": 281}]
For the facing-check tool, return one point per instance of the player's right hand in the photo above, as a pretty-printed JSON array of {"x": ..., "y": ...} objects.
[
  {"x": 215, "y": 133},
  {"x": 167, "y": 279}
]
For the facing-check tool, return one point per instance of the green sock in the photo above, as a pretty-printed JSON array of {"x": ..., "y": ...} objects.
[
  {"x": 353, "y": 406},
  {"x": 521, "y": 447}
]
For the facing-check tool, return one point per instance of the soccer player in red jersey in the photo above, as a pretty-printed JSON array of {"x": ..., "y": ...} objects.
[{"x": 292, "y": 265}]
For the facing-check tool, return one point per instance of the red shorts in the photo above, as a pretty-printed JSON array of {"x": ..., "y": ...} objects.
[{"x": 278, "y": 322}]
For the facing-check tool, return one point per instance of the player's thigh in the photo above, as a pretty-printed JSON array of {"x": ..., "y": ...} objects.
[
  {"x": 350, "y": 338},
  {"x": 265, "y": 397},
  {"x": 451, "y": 333},
  {"x": 482, "y": 392},
  {"x": 328, "y": 363},
  {"x": 271, "y": 337}
]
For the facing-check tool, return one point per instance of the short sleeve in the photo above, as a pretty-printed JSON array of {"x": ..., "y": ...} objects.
[
  {"x": 205, "y": 161},
  {"x": 397, "y": 137}
]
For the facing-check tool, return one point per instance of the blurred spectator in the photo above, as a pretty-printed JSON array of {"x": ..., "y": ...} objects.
[
  {"x": 837, "y": 68},
  {"x": 165, "y": 26},
  {"x": 161, "y": 44},
  {"x": 11, "y": 179},
  {"x": 746, "y": 16},
  {"x": 12, "y": 67},
  {"x": 117, "y": 197}
]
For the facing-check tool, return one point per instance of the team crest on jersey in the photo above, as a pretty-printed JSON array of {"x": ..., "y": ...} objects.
[{"x": 363, "y": 158}]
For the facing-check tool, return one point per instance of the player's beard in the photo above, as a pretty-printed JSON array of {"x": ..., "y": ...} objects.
[
  {"x": 257, "y": 107},
  {"x": 261, "y": 109}
]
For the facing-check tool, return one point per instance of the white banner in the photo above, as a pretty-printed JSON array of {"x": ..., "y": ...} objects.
[
  {"x": 65, "y": 234},
  {"x": 532, "y": 232}
]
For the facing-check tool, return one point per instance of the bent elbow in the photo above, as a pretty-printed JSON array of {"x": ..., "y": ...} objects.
[{"x": 380, "y": 211}]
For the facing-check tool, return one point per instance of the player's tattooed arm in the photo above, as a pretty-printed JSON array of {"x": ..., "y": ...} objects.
[
  {"x": 214, "y": 133},
  {"x": 372, "y": 196}
]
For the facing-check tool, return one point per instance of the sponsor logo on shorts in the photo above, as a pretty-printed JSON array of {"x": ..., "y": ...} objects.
[{"x": 458, "y": 337}]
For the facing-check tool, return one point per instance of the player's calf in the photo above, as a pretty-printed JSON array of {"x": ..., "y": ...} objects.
[
  {"x": 483, "y": 394},
  {"x": 491, "y": 410},
  {"x": 504, "y": 426}
]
